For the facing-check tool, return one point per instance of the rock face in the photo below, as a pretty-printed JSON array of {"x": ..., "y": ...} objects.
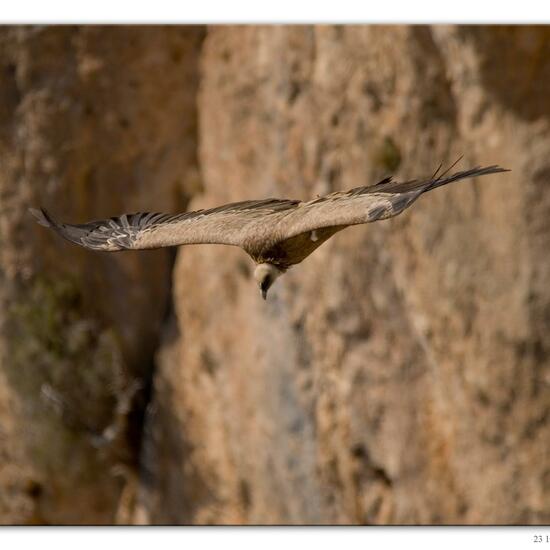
[
  {"x": 82, "y": 133},
  {"x": 401, "y": 374}
]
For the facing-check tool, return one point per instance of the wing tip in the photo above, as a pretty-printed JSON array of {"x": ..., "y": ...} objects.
[
  {"x": 495, "y": 169},
  {"x": 42, "y": 217}
]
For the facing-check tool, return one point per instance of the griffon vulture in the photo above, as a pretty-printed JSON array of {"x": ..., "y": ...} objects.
[{"x": 275, "y": 233}]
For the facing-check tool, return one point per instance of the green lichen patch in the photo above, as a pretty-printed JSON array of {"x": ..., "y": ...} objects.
[
  {"x": 68, "y": 370},
  {"x": 386, "y": 155}
]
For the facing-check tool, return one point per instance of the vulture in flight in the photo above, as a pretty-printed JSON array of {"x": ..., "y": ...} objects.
[{"x": 275, "y": 233}]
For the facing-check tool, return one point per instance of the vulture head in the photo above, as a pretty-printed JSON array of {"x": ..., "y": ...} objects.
[{"x": 265, "y": 275}]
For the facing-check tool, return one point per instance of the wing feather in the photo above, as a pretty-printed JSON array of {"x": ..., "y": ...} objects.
[
  {"x": 231, "y": 224},
  {"x": 369, "y": 203}
]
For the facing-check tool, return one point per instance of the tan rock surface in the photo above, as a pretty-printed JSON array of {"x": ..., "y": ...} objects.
[
  {"x": 401, "y": 373},
  {"x": 93, "y": 121}
]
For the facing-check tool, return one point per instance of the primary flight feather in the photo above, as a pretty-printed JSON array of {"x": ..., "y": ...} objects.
[{"x": 275, "y": 233}]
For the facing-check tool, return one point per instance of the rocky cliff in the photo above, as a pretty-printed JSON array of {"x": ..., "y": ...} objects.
[
  {"x": 94, "y": 121},
  {"x": 399, "y": 375}
]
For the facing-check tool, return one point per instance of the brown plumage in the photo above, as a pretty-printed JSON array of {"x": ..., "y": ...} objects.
[{"x": 276, "y": 232}]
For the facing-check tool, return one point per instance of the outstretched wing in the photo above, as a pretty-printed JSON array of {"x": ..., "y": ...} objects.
[
  {"x": 368, "y": 204},
  {"x": 305, "y": 228},
  {"x": 266, "y": 229},
  {"x": 231, "y": 224}
]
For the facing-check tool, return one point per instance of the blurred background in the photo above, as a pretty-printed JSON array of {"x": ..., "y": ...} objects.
[{"x": 401, "y": 374}]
